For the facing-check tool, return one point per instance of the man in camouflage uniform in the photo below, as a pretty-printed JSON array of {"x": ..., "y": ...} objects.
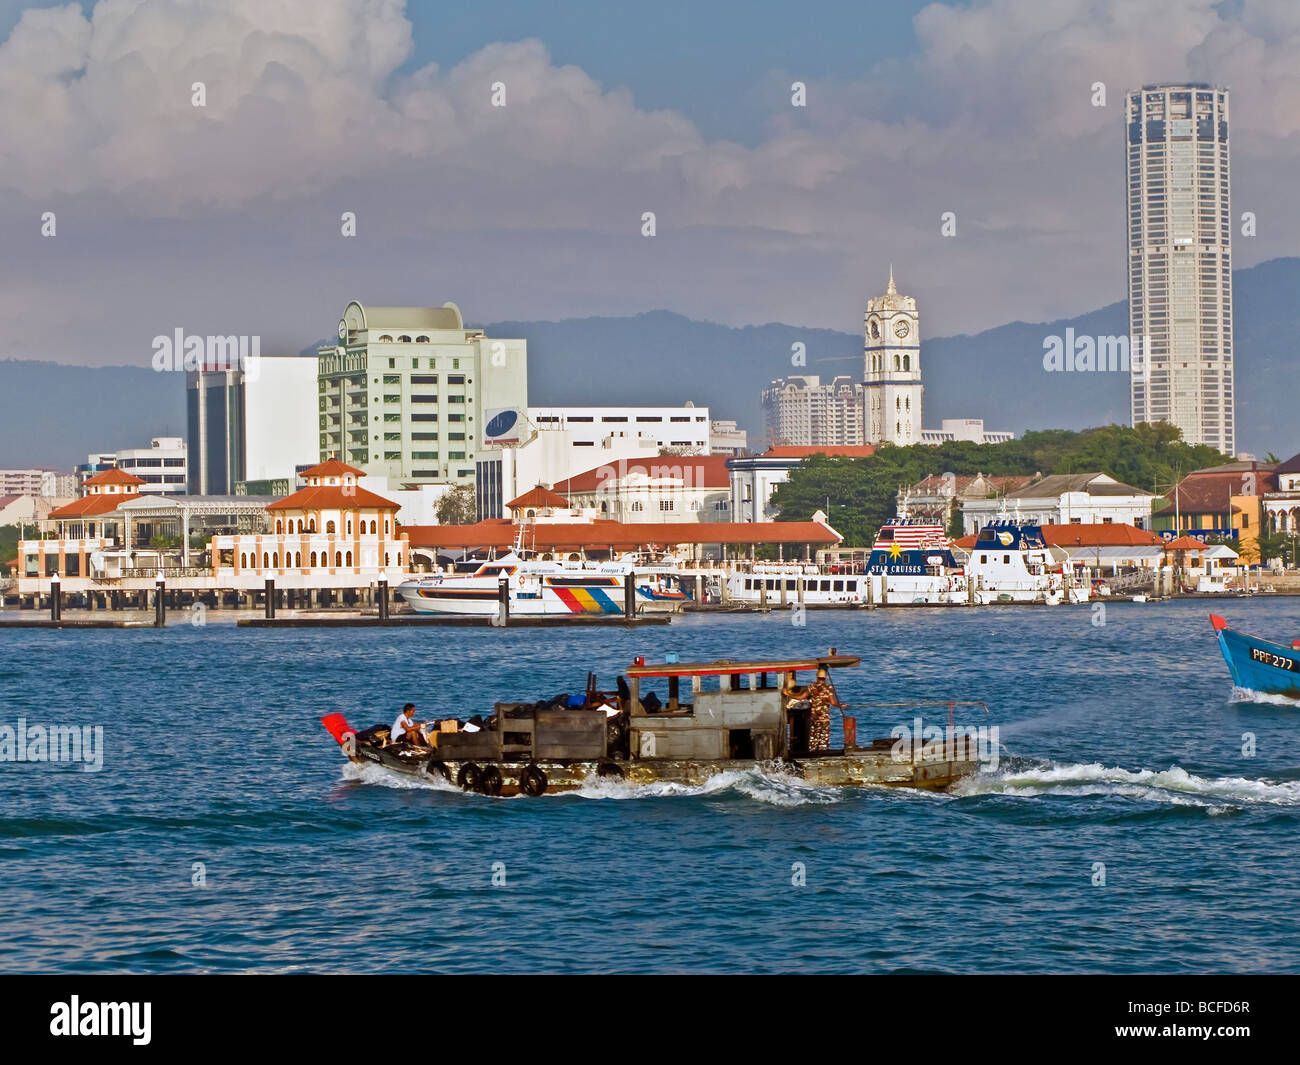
[{"x": 821, "y": 696}]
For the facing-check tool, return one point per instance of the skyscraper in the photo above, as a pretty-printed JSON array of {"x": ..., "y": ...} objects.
[
  {"x": 804, "y": 412},
  {"x": 1180, "y": 261}
]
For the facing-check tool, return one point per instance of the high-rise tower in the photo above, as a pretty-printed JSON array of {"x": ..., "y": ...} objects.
[{"x": 1180, "y": 261}]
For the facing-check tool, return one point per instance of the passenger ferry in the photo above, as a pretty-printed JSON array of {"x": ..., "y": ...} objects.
[
  {"x": 1011, "y": 563},
  {"x": 913, "y": 563},
  {"x": 714, "y": 717}
]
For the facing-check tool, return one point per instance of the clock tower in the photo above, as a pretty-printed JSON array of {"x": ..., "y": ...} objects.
[{"x": 892, "y": 379}]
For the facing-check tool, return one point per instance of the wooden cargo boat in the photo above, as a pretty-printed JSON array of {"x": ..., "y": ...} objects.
[{"x": 717, "y": 717}]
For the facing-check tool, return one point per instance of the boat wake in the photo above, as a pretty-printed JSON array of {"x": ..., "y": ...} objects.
[
  {"x": 774, "y": 788},
  {"x": 1174, "y": 786},
  {"x": 1246, "y": 695},
  {"x": 388, "y": 778}
]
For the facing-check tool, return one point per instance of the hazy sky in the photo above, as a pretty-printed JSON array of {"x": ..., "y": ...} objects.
[{"x": 226, "y": 218}]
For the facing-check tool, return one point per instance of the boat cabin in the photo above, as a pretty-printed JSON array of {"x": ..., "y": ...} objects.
[{"x": 715, "y": 710}]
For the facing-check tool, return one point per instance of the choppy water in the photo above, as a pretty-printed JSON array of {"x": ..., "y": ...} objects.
[{"x": 1122, "y": 745}]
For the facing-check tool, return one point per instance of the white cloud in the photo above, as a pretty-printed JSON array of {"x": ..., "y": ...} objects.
[{"x": 307, "y": 116}]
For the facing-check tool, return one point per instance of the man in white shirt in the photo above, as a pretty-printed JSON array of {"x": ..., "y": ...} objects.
[{"x": 407, "y": 728}]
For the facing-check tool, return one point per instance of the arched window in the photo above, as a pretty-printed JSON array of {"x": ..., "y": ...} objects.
[
  {"x": 896, "y": 366},
  {"x": 385, "y": 526},
  {"x": 243, "y": 560},
  {"x": 313, "y": 560},
  {"x": 279, "y": 526},
  {"x": 386, "y": 562},
  {"x": 907, "y": 404},
  {"x": 349, "y": 558},
  {"x": 907, "y": 362},
  {"x": 405, "y": 338},
  {"x": 266, "y": 560},
  {"x": 422, "y": 339},
  {"x": 898, "y": 428},
  {"x": 275, "y": 559},
  {"x": 387, "y": 337},
  {"x": 636, "y": 506},
  {"x": 329, "y": 526},
  {"x": 898, "y": 403},
  {"x": 338, "y": 558},
  {"x": 349, "y": 526},
  {"x": 312, "y": 527},
  {"x": 373, "y": 527},
  {"x": 297, "y": 560}
]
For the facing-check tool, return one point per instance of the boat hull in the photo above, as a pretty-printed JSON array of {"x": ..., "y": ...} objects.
[
  {"x": 1258, "y": 665},
  {"x": 855, "y": 767}
]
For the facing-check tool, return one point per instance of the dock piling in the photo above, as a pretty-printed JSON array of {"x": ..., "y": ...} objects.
[
  {"x": 160, "y": 604},
  {"x": 270, "y": 598},
  {"x": 56, "y": 599},
  {"x": 629, "y": 595},
  {"x": 383, "y": 598}
]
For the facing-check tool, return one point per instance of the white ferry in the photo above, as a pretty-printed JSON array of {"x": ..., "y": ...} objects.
[
  {"x": 913, "y": 563},
  {"x": 1011, "y": 563},
  {"x": 542, "y": 587}
]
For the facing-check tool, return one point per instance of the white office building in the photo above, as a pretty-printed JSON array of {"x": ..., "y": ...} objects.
[
  {"x": 409, "y": 393},
  {"x": 684, "y": 430},
  {"x": 161, "y": 465},
  {"x": 1180, "y": 261}
]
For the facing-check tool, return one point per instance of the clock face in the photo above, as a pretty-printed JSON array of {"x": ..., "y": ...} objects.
[
  {"x": 901, "y": 329},
  {"x": 343, "y": 329}
]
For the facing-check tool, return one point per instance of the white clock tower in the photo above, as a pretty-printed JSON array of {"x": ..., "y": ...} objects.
[{"x": 892, "y": 380}]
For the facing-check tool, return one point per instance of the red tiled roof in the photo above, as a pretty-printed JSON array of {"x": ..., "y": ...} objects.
[
  {"x": 697, "y": 471},
  {"x": 500, "y": 532},
  {"x": 333, "y": 497},
  {"x": 539, "y": 497},
  {"x": 113, "y": 476},
  {"x": 91, "y": 506},
  {"x": 332, "y": 468},
  {"x": 847, "y": 451},
  {"x": 6, "y": 500},
  {"x": 1185, "y": 543}
]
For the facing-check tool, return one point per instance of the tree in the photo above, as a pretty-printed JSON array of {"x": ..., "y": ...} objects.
[{"x": 458, "y": 507}]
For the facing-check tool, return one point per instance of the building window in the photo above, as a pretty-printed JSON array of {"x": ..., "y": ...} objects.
[
  {"x": 667, "y": 504},
  {"x": 636, "y": 507},
  {"x": 329, "y": 526},
  {"x": 297, "y": 560},
  {"x": 313, "y": 560}
]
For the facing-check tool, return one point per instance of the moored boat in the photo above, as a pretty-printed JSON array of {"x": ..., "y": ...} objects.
[
  {"x": 1259, "y": 665},
  {"x": 713, "y": 717}
]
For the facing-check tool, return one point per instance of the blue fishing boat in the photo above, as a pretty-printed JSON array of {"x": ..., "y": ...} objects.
[{"x": 1259, "y": 665}]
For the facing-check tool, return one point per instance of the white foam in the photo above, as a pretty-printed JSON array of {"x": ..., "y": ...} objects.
[
  {"x": 774, "y": 788},
  {"x": 370, "y": 773},
  {"x": 1247, "y": 695},
  {"x": 1174, "y": 785}
]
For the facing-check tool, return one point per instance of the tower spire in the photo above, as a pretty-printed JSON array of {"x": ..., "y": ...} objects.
[{"x": 891, "y": 291}]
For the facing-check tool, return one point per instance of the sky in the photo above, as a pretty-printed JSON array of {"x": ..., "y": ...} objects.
[{"x": 227, "y": 217}]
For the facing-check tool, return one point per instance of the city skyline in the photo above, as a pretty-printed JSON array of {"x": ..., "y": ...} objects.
[{"x": 764, "y": 211}]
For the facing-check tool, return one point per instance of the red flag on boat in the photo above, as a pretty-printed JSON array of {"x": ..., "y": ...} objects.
[{"x": 337, "y": 726}]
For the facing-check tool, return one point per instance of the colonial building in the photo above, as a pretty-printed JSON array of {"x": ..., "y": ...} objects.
[
  {"x": 892, "y": 384},
  {"x": 331, "y": 534},
  {"x": 668, "y": 488},
  {"x": 1065, "y": 499},
  {"x": 86, "y": 530},
  {"x": 1282, "y": 504},
  {"x": 1221, "y": 502}
]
